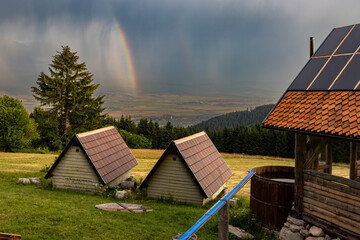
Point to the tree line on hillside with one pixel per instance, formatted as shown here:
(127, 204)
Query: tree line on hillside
(231, 120)
(20, 131)
(67, 106)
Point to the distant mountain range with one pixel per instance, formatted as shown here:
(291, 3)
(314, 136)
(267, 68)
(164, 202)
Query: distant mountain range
(232, 119)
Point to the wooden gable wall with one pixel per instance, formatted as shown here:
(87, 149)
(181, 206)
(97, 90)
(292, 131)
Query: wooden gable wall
(173, 180)
(75, 172)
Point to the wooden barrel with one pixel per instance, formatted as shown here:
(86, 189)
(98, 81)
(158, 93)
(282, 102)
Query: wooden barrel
(272, 194)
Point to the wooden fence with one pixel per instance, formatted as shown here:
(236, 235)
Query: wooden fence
(333, 203)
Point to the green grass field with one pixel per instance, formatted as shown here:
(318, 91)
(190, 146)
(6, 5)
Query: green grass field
(40, 212)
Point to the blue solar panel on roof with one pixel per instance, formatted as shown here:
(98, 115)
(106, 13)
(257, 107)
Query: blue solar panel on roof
(350, 76)
(308, 73)
(332, 41)
(351, 43)
(329, 73)
(341, 72)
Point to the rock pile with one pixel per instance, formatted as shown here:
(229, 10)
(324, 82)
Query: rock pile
(29, 180)
(297, 229)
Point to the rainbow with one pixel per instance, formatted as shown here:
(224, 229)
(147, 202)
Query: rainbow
(127, 54)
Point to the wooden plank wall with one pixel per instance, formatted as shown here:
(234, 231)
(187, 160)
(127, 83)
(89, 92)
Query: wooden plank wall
(333, 203)
(173, 180)
(74, 172)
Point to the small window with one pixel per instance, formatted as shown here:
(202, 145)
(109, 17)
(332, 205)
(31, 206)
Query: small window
(77, 150)
(174, 158)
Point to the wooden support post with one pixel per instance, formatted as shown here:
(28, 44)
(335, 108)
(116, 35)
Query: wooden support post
(353, 158)
(316, 163)
(314, 146)
(311, 46)
(300, 157)
(223, 226)
(329, 156)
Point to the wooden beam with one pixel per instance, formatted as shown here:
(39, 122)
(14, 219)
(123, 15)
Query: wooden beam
(343, 184)
(313, 155)
(329, 156)
(223, 226)
(300, 157)
(353, 158)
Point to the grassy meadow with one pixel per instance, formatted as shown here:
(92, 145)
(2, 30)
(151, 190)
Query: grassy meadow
(40, 212)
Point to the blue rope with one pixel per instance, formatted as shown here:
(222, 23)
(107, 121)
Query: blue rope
(216, 207)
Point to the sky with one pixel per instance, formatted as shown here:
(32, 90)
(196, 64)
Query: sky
(202, 47)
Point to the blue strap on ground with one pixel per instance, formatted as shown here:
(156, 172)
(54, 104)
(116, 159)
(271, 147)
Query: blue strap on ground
(216, 207)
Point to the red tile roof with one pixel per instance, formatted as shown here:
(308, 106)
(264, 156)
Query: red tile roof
(106, 151)
(324, 97)
(202, 159)
(325, 112)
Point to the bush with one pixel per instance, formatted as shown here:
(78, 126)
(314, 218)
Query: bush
(17, 130)
(135, 141)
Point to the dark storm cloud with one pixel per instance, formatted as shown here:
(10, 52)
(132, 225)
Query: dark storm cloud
(197, 47)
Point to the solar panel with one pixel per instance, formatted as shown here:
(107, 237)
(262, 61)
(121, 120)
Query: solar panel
(351, 43)
(335, 65)
(350, 76)
(332, 41)
(308, 73)
(329, 73)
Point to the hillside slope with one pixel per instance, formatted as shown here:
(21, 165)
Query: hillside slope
(237, 118)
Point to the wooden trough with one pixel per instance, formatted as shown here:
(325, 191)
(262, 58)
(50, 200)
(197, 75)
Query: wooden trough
(9, 236)
(272, 194)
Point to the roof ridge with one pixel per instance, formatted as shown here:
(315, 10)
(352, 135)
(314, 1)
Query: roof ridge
(347, 25)
(192, 146)
(84, 134)
(188, 138)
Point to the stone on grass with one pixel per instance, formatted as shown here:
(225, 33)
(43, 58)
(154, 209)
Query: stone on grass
(316, 232)
(29, 180)
(233, 201)
(327, 237)
(120, 194)
(287, 234)
(24, 180)
(35, 180)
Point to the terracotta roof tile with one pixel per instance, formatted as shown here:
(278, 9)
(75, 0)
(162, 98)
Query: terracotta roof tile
(205, 162)
(108, 152)
(328, 112)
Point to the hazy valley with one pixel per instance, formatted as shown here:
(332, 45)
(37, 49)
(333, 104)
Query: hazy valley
(179, 109)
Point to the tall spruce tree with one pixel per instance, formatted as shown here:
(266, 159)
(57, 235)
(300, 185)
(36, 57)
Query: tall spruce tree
(68, 91)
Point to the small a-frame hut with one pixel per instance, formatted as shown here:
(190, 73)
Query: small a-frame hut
(321, 104)
(190, 170)
(93, 160)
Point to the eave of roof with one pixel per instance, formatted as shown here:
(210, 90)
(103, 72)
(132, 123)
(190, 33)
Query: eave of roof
(323, 113)
(106, 152)
(204, 163)
(71, 142)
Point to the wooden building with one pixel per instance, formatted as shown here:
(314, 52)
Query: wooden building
(190, 170)
(92, 161)
(322, 104)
